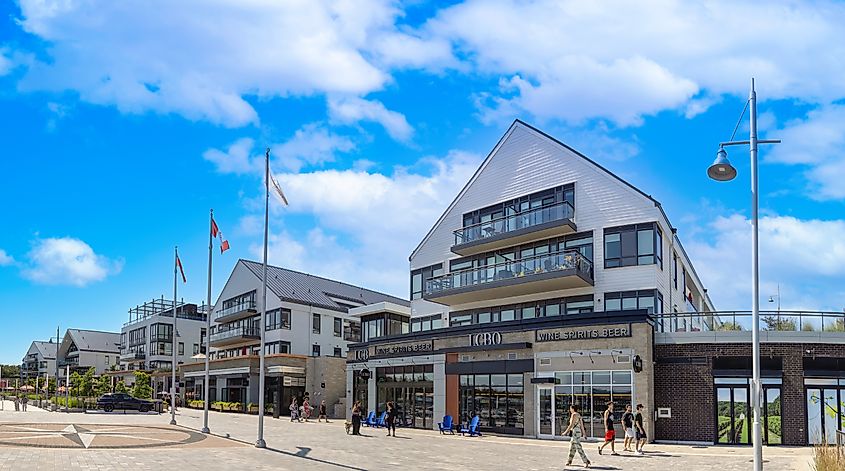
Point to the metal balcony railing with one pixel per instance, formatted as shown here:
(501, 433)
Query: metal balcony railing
(727, 321)
(513, 222)
(240, 307)
(245, 332)
(527, 267)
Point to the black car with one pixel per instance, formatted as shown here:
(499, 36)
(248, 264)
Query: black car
(110, 402)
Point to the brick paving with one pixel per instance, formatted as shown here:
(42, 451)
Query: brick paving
(319, 446)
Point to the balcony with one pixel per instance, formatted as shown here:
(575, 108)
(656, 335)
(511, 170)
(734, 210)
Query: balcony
(238, 311)
(736, 326)
(539, 274)
(526, 226)
(133, 356)
(238, 335)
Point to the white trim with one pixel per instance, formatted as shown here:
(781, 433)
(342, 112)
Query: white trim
(295, 370)
(222, 371)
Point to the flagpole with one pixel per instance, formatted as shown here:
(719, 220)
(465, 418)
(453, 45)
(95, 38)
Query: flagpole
(205, 428)
(173, 342)
(260, 442)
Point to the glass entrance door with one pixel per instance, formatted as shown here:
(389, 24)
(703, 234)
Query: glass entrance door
(825, 414)
(546, 415)
(732, 415)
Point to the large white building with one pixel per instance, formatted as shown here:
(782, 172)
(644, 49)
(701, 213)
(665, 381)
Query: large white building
(82, 349)
(547, 270)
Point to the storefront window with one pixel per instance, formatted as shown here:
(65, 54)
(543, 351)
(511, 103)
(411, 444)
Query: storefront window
(411, 388)
(590, 391)
(497, 399)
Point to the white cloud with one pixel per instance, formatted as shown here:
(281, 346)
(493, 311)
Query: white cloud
(6, 64)
(5, 259)
(367, 223)
(201, 60)
(817, 142)
(236, 159)
(67, 261)
(574, 60)
(351, 110)
(313, 144)
(806, 257)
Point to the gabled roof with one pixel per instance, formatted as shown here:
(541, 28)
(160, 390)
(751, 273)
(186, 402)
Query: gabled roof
(46, 349)
(95, 340)
(303, 288)
(519, 123)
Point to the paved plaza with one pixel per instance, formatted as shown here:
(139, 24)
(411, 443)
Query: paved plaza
(40, 440)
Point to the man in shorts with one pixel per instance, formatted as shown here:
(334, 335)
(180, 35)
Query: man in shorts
(628, 425)
(639, 431)
(609, 432)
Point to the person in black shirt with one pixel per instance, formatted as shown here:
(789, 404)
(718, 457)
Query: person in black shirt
(640, 429)
(628, 425)
(391, 418)
(609, 432)
(321, 414)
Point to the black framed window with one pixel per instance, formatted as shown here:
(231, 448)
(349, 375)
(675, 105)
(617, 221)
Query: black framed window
(626, 246)
(315, 350)
(675, 269)
(315, 323)
(272, 348)
(498, 399)
(511, 312)
(278, 319)
(338, 327)
(558, 194)
(422, 324)
(651, 300)
(338, 352)
(419, 276)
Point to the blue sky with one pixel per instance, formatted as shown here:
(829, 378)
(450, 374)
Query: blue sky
(123, 124)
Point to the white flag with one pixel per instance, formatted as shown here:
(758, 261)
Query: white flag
(278, 190)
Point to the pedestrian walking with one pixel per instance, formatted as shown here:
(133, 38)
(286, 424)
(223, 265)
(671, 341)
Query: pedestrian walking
(17, 404)
(641, 437)
(24, 400)
(628, 425)
(576, 427)
(306, 409)
(356, 418)
(294, 410)
(391, 418)
(609, 432)
(321, 413)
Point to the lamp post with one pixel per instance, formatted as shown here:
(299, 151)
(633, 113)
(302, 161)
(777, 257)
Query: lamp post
(722, 170)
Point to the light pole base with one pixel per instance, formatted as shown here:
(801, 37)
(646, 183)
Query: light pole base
(260, 443)
(172, 421)
(205, 430)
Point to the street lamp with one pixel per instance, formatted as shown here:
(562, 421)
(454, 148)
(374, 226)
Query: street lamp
(723, 171)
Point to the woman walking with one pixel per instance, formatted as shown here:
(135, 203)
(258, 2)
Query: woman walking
(356, 418)
(322, 412)
(306, 408)
(294, 410)
(576, 426)
(391, 418)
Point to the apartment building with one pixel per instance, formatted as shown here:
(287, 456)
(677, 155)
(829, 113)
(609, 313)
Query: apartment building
(308, 330)
(83, 349)
(146, 340)
(39, 361)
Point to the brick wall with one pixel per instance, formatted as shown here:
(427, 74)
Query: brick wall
(683, 380)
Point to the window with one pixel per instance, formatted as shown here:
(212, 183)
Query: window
(497, 398)
(338, 327)
(315, 323)
(338, 352)
(650, 300)
(531, 310)
(351, 331)
(278, 319)
(239, 303)
(675, 269)
(273, 348)
(181, 348)
(196, 349)
(107, 360)
(626, 246)
(161, 332)
(315, 350)
(419, 277)
(422, 324)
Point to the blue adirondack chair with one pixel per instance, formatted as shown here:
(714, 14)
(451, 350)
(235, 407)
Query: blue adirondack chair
(370, 420)
(471, 428)
(381, 420)
(446, 425)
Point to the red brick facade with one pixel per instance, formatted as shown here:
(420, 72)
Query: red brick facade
(683, 380)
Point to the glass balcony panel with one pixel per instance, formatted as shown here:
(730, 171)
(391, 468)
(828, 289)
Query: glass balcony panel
(522, 220)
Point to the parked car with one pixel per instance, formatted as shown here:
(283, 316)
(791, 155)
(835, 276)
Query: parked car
(110, 402)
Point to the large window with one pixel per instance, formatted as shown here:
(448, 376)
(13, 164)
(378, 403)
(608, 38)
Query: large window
(278, 319)
(161, 332)
(531, 310)
(411, 388)
(626, 246)
(338, 327)
(272, 348)
(419, 276)
(315, 323)
(498, 399)
(651, 300)
(240, 302)
(422, 324)
(351, 331)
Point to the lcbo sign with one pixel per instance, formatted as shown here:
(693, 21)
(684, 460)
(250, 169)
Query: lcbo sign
(485, 339)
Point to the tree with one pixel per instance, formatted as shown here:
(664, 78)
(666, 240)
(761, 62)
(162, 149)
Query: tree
(142, 388)
(730, 326)
(10, 371)
(783, 324)
(75, 383)
(103, 385)
(87, 384)
(120, 387)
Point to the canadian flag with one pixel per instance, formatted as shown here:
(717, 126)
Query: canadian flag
(224, 244)
(179, 264)
(214, 228)
(215, 232)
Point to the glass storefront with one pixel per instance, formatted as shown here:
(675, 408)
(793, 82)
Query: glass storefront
(825, 409)
(591, 391)
(498, 400)
(411, 388)
(734, 414)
